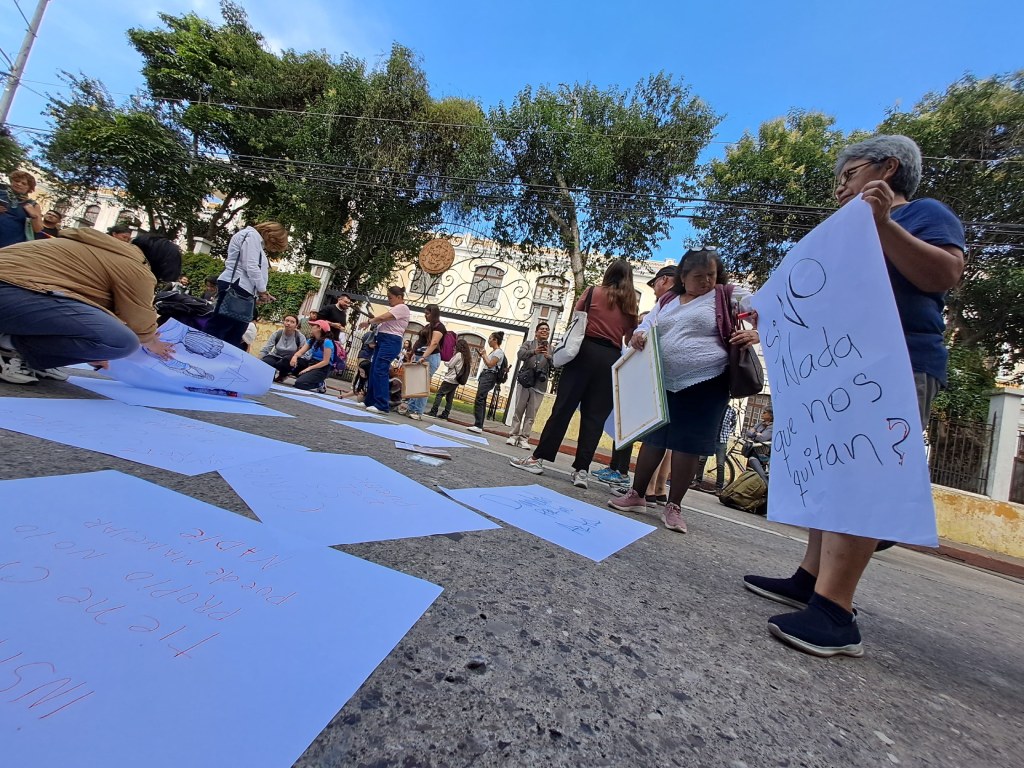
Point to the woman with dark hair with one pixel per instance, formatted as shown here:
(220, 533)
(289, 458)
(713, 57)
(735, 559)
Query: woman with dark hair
(426, 351)
(695, 362)
(95, 294)
(455, 376)
(20, 217)
(313, 370)
(390, 326)
(282, 344)
(487, 379)
(247, 268)
(586, 381)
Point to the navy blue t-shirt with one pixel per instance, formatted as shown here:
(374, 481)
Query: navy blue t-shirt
(921, 312)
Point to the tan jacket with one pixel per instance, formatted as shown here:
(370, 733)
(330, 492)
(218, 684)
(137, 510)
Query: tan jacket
(89, 266)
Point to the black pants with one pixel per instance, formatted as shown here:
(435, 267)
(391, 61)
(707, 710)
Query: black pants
(283, 365)
(488, 379)
(620, 459)
(309, 380)
(586, 383)
(226, 328)
(446, 391)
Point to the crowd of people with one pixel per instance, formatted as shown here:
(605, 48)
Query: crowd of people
(77, 295)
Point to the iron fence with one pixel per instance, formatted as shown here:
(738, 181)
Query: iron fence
(960, 453)
(1017, 480)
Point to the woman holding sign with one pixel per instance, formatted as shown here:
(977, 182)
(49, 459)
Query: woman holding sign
(923, 244)
(694, 361)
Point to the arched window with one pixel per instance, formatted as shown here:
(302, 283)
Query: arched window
(486, 288)
(424, 284)
(551, 289)
(92, 213)
(476, 348)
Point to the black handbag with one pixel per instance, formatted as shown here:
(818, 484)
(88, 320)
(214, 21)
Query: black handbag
(236, 303)
(746, 374)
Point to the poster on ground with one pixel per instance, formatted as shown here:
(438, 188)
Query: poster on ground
(847, 447)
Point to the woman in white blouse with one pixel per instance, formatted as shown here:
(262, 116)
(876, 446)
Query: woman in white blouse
(695, 362)
(248, 267)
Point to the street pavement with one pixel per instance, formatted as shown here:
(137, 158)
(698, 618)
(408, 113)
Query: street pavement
(657, 656)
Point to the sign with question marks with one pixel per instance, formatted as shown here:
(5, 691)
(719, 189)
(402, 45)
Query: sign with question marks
(847, 448)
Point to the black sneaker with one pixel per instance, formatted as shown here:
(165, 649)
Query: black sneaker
(794, 591)
(823, 628)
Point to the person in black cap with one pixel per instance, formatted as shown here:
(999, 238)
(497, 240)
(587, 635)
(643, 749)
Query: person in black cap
(121, 231)
(662, 281)
(83, 297)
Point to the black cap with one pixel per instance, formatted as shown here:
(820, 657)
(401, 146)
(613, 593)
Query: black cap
(118, 229)
(663, 272)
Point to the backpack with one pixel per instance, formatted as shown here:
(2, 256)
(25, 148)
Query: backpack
(527, 377)
(340, 357)
(463, 375)
(503, 370)
(747, 493)
(447, 346)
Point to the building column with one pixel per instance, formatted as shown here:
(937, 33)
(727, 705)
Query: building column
(1004, 411)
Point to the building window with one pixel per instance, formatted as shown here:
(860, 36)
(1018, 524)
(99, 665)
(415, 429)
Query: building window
(486, 287)
(476, 348)
(551, 289)
(424, 284)
(91, 214)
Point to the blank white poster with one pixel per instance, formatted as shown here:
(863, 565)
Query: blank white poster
(149, 437)
(332, 499)
(330, 405)
(181, 401)
(459, 435)
(575, 525)
(144, 627)
(403, 433)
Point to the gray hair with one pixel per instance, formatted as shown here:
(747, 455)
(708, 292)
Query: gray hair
(882, 147)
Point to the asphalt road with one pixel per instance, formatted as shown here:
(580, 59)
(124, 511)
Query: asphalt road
(657, 656)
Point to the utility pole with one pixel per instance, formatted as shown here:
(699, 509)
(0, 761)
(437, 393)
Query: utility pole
(14, 78)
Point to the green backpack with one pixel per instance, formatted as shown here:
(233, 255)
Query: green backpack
(747, 492)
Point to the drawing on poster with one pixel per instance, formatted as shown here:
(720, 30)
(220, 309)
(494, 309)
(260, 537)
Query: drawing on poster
(847, 449)
(458, 435)
(201, 363)
(184, 401)
(403, 433)
(138, 583)
(345, 499)
(582, 528)
(330, 404)
(142, 435)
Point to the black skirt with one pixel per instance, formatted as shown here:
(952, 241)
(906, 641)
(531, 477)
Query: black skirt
(695, 418)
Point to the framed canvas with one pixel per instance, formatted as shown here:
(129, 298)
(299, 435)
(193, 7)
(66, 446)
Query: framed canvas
(638, 392)
(415, 380)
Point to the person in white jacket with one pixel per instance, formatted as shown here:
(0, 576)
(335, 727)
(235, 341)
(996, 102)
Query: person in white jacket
(247, 268)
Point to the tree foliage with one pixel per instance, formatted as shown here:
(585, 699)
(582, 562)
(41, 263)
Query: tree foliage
(12, 154)
(591, 171)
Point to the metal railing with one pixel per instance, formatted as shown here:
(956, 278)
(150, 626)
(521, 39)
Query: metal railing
(1017, 479)
(960, 453)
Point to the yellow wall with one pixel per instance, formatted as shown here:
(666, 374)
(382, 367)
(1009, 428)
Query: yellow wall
(968, 518)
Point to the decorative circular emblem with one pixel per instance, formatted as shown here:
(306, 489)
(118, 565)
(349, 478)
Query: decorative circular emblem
(437, 256)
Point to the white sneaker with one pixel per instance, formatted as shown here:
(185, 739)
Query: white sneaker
(415, 416)
(514, 441)
(14, 371)
(530, 464)
(50, 373)
(474, 429)
(579, 478)
(373, 409)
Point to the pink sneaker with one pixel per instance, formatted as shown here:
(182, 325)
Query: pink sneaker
(629, 502)
(673, 517)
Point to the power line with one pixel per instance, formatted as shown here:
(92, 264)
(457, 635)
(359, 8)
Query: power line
(28, 24)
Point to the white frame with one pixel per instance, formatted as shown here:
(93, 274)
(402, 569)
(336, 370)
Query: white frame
(638, 392)
(416, 380)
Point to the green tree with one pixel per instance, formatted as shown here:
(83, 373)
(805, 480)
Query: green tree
(12, 154)
(591, 171)
(770, 190)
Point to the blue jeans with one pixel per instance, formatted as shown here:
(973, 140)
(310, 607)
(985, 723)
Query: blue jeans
(417, 404)
(389, 346)
(49, 331)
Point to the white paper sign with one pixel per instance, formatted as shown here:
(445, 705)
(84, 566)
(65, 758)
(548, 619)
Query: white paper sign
(201, 363)
(403, 433)
(331, 405)
(183, 401)
(153, 438)
(847, 451)
(137, 609)
(332, 499)
(457, 435)
(577, 526)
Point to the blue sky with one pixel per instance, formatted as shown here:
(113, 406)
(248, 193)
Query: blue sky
(752, 61)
